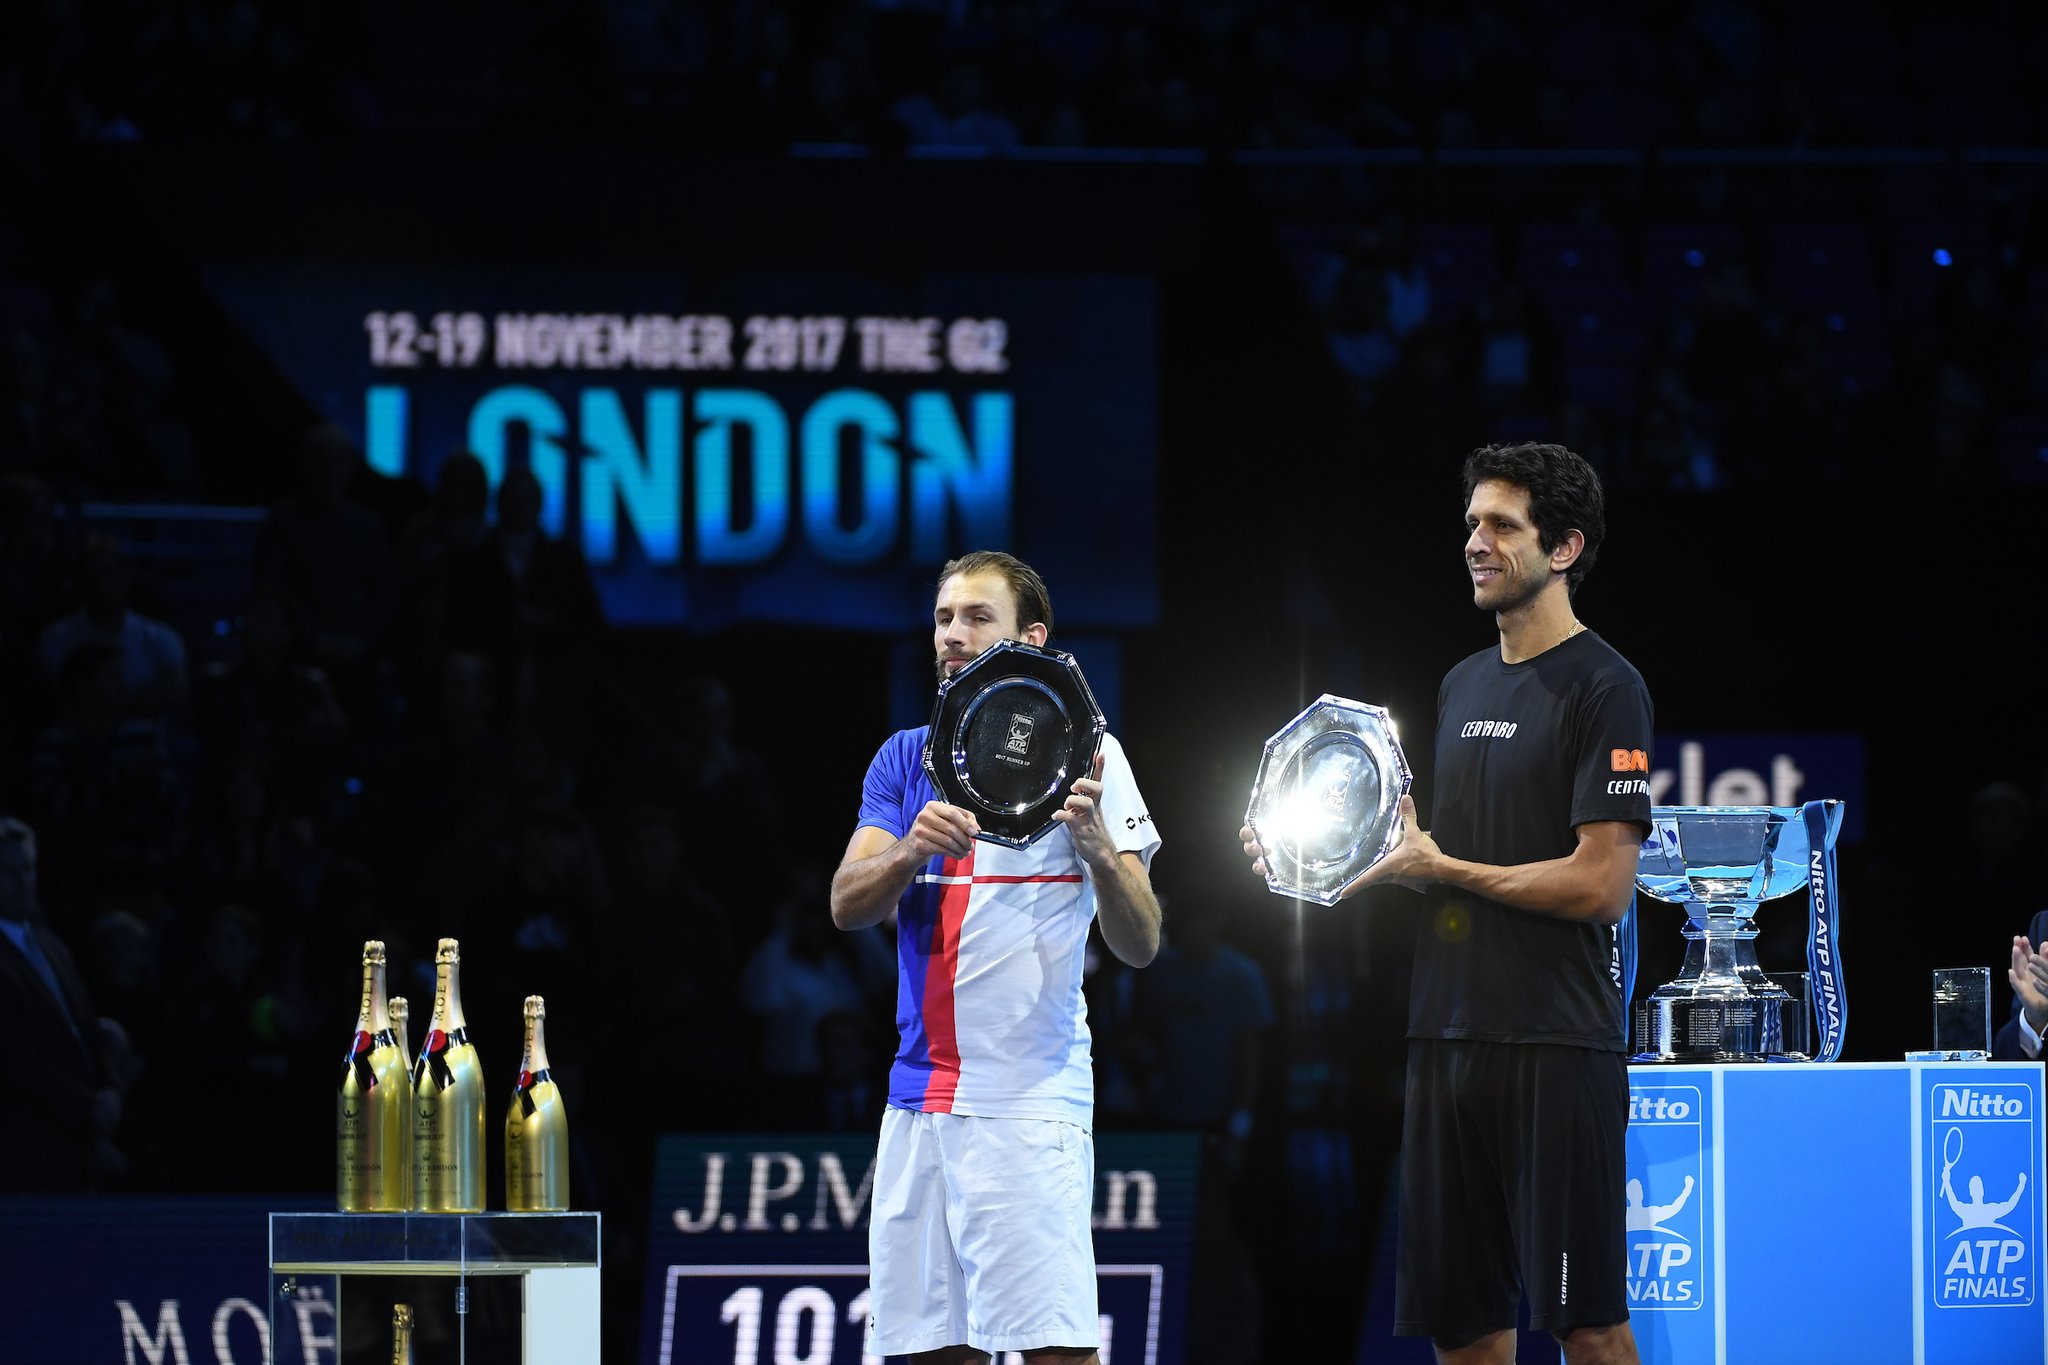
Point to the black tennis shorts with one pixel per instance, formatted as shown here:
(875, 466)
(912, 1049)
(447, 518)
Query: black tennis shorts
(1512, 1182)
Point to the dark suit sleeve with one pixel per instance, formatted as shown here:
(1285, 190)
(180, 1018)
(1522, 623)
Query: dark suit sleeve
(47, 1148)
(2006, 1046)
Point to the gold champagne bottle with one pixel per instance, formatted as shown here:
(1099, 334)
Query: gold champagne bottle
(373, 1109)
(401, 1334)
(448, 1102)
(536, 1128)
(401, 1031)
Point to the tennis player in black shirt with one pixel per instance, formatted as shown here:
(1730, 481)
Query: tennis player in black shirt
(1517, 1093)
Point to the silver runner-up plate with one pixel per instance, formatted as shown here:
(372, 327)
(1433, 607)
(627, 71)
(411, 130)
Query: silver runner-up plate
(1327, 802)
(1011, 734)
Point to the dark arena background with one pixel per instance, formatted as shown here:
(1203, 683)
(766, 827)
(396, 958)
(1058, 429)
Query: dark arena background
(761, 311)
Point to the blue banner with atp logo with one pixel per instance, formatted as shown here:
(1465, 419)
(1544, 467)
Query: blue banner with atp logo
(1868, 1212)
(1981, 1167)
(1670, 1237)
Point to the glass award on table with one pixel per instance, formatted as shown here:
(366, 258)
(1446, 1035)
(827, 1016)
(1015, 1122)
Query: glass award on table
(1011, 733)
(1720, 863)
(1327, 802)
(1962, 1016)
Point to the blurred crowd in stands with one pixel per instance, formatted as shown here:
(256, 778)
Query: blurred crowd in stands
(1000, 74)
(394, 721)
(1691, 323)
(408, 718)
(414, 722)
(417, 731)
(1700, 354)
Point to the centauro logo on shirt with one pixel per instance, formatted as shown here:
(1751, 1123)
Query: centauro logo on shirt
(1488, 729)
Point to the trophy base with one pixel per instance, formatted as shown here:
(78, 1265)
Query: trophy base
(1694, 1030)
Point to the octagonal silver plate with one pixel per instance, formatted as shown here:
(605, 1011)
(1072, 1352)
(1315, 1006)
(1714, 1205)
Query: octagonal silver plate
(1327, 802)
(1010, 733)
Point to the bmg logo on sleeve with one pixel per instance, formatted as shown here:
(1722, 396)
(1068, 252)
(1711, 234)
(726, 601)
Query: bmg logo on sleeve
(1982, 1150)
(1666, 1175)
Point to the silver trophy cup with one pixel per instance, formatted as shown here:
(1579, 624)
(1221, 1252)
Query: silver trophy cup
(1720, 863)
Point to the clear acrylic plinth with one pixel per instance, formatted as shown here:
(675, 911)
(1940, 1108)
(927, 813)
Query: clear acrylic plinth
(483, 1281)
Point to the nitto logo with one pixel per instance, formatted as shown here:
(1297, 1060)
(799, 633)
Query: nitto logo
(1656, 1109)
(1967, 1103)
(1983, 1152)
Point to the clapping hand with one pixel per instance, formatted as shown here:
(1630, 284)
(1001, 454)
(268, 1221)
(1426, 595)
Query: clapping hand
(2029, 978)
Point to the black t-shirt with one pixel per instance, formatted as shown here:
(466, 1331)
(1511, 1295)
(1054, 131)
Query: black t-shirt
(1525, 753)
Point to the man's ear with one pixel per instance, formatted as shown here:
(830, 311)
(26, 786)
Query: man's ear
(1568, 551)
(1034, 634)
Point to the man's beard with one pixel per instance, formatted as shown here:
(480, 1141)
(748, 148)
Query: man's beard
(939, 664)
(1517, 590)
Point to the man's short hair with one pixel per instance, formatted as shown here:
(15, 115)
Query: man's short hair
(1564, 495)
(1033, 602)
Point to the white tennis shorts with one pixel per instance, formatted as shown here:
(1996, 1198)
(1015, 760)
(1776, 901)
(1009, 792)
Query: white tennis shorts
(980, 1235)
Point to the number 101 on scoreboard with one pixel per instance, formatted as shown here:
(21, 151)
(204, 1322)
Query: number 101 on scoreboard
(818, 1315)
